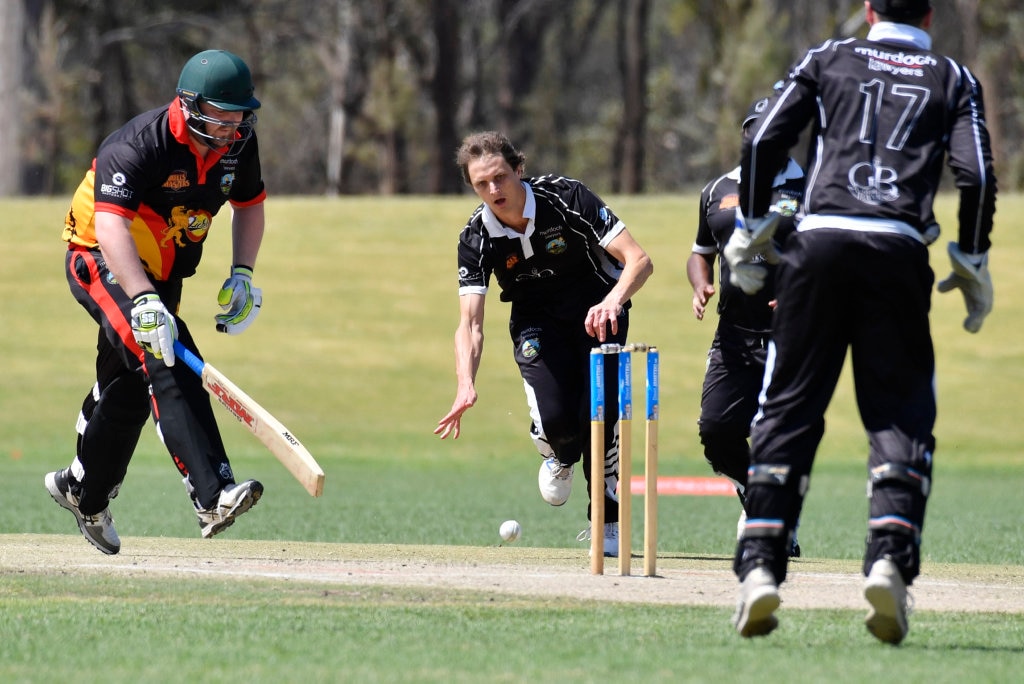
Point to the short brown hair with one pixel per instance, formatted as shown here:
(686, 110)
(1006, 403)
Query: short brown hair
(476, 145)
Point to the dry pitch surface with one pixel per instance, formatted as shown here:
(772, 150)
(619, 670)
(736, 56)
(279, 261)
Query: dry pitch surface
(511, 570)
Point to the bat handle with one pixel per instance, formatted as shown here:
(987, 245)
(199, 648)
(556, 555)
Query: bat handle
(191, 360)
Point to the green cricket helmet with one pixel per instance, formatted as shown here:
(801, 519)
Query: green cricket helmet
(222, 80)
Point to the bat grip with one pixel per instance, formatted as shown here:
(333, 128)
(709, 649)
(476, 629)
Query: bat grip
(183, 353)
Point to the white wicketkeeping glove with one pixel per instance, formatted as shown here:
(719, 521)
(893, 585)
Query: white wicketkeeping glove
(240, 300)
(154, 327)
(749, 246)
(970, 274)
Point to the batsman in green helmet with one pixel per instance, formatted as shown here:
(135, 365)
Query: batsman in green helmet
(134, 232)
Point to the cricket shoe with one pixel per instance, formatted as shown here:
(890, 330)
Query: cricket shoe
(887, 593)
(759, 599)
(234, 500)
(611, 539)
(98, 529)
(554, 481)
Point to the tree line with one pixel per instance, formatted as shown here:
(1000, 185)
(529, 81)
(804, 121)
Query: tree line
(373, 96)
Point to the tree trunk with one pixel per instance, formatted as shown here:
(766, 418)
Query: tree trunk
(632, 132)
(444, 92)
(12, 19)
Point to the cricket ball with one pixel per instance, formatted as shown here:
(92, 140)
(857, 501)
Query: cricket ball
(510, 531)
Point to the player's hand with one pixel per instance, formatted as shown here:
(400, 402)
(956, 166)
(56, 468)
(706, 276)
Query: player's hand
(452, 422)
(601, 318)
(701, 297)
(749, 247)
(240, 300)
(970, 274)
(153, 326)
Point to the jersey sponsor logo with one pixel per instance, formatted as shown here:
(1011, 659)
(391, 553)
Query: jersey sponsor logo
(898, 63)
(226, 182)
(873, 184)
(183, 224)
(553, 231)
(116, 192)
(178, 180)
(530, 348)
(729, 202)
(535, 274)
(556, 246)
(604, 214)
(116, 188)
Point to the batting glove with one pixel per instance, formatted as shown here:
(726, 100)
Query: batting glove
(970, 274)
(154, 327)
(750, 246)
(240, 300)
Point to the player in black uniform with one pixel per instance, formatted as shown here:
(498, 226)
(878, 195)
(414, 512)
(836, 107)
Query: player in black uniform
(568, 266)
(135, 230)
(886, 111)
(735, 365)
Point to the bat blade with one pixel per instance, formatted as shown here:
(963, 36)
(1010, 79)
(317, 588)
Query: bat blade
(268, 429)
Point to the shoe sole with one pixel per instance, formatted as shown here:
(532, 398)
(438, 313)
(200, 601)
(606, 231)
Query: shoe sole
(884, 619)
(55, 494)
(241, 507)
(757, 617)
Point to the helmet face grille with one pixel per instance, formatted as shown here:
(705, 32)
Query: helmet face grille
(220, 78)
(197, 121)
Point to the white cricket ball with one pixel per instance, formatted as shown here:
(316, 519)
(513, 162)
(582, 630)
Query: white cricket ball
(510, 531)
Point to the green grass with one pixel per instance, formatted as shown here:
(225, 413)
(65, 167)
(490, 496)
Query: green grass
(265, 632)
(353, 351)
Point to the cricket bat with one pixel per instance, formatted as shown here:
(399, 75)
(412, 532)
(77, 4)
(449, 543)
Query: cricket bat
(269, 430)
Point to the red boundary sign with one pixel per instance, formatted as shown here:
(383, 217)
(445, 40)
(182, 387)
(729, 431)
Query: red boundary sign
(687, 486)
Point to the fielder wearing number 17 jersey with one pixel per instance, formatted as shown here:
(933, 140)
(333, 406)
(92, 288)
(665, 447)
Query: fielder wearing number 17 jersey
(884, 112)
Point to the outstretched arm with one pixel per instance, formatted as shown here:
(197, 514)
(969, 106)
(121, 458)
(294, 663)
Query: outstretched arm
(637, 268)
(469, 346)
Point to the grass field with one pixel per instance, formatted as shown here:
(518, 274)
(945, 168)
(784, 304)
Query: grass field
(353, 352)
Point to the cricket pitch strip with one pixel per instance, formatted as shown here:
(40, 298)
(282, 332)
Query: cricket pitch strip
(541, 573)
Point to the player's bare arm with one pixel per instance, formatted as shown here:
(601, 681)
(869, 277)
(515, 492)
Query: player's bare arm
(120, 252)
(469, 347)
(637, 268)
(700, 270)
(247, 226)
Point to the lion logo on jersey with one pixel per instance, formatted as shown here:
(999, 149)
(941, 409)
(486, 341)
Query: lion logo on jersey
(185, 223)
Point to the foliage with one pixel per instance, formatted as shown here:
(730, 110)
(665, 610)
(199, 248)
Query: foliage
(547, 71)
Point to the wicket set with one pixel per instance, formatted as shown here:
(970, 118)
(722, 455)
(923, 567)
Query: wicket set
(624, 354)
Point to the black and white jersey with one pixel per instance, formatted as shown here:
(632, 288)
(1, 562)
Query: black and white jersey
(558, 266)
(717, 220)
(886, 111)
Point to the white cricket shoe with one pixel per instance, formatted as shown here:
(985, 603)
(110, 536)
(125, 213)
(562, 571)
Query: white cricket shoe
(97, 529)
(234, 500)
(554, 481)
(759, 599)
(611, 539)
(886, 591)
